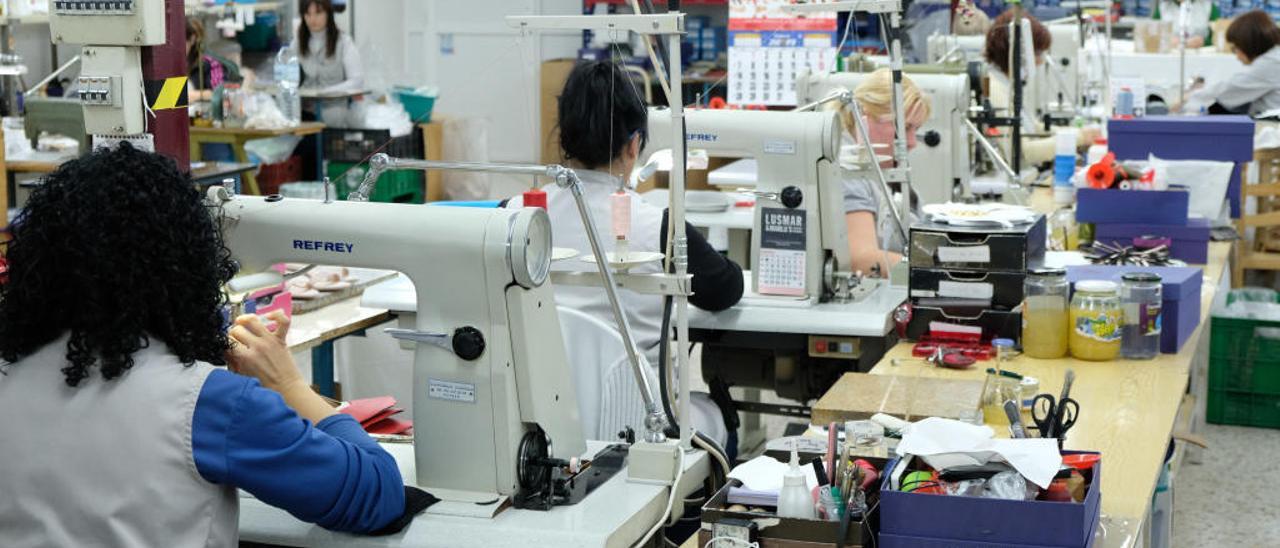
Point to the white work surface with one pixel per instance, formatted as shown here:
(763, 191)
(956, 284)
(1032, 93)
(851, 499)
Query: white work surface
(734, 218)
(869, 317)
(618, 513)
(735, 174)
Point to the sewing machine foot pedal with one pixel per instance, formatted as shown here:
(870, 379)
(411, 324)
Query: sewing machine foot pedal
(546, 482)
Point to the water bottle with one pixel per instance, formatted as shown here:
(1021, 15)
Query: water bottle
(1064, 167)
(288, 76)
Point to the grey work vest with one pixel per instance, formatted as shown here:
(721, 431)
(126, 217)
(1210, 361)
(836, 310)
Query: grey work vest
(107, 463)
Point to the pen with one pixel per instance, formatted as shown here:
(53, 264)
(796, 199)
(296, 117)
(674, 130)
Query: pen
(1003, 373)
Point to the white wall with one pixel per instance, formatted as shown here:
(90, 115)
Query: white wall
(33, 43)
(491, 73)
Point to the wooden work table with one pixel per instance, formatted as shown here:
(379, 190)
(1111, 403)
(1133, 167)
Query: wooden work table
(1128, 409)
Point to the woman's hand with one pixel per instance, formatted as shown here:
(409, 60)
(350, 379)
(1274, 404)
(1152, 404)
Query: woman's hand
(262, 354)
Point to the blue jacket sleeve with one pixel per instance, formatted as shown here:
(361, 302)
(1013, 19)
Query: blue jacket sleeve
(331, 473)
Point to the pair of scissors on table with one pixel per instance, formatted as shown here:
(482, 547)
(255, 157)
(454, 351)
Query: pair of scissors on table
(1054, 416)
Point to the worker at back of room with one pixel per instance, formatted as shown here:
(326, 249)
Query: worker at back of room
(1255, 90)
(603, 126)
(118, 428)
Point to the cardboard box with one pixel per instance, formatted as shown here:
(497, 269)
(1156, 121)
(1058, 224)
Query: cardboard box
(1151, 207)
(554, 74)
(858, 396)
(927, 520)
(1190, 241)
(775, 532)
(1180, 292)
(1016, 249)
(1219, 138)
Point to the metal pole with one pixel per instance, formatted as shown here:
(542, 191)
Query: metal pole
(899, 116)
(681, 248)
(1015, 79)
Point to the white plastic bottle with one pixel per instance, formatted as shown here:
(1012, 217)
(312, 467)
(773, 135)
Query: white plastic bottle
(288, 76)
(1096, 151)
(794, 500)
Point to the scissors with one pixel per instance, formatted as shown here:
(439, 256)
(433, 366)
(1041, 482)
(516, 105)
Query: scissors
(1053, 416)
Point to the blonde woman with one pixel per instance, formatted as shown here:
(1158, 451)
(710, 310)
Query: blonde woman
(874, 241)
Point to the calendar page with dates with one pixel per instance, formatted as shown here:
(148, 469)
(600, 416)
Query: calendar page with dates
(768, 47)
(781, 269)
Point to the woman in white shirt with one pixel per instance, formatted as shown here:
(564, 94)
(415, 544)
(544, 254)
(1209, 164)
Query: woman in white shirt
(1256, 89)
(330, 62)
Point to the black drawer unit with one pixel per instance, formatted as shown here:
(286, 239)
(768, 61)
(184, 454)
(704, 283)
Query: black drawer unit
(1015, 249)
(997, 289)
(995, 324)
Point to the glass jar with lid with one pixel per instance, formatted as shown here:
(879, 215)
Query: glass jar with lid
(1142, 297)
(1095, 320)
(1044, 314)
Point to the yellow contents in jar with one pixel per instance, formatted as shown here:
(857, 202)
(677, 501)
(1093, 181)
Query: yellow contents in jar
(1044, 327)
(1095, 334)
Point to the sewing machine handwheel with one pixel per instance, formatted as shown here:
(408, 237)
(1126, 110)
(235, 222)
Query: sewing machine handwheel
(468, 343)
(533, 448)
(792, 197)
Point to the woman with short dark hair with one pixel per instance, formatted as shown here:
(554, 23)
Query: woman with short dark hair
(603, 125)
(1256, 89)
(116, 426)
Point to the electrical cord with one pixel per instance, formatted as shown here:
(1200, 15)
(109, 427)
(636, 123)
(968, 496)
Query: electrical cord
(671, 500)
(664, 387)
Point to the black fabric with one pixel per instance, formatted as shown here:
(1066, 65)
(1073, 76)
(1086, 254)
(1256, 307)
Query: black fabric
(717, 281)
(1217, 108)
(415, 501)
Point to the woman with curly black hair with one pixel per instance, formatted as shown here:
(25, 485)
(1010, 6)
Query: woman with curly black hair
(116, 427)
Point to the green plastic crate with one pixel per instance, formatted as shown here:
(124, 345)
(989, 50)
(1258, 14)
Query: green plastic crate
(1244, 355)
(1243, 408)
(394, 186)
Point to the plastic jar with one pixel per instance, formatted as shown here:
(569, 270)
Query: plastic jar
(1044, 314)
(1095, 321)
(1142, 297)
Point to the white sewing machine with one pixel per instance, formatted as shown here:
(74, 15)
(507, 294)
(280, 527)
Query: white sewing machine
(495, 411)
(949, 48)
(798, 179)
(798, 233)
(940, 163)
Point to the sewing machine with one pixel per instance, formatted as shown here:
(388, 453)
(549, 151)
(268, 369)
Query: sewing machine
(495, 410)
(940, 163)
(832, 321)
(949, 48)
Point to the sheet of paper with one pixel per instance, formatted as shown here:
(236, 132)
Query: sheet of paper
(764, 473)
(945, 443)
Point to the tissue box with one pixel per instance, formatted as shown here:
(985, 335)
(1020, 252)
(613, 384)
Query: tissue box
(1155, 207)
(1180, 312)
(1190, 241)
(1014, 249)
(941, 521)
(1218, 138)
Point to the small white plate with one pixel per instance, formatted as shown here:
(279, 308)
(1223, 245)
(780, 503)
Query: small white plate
(632, 259)
(563, 253)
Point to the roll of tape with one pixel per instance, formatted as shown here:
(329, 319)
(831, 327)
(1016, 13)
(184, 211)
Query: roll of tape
(1126, 185)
